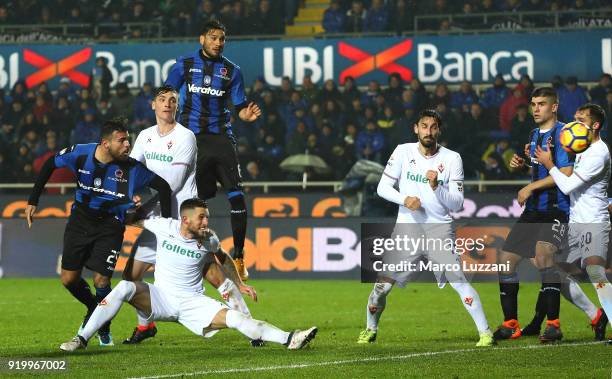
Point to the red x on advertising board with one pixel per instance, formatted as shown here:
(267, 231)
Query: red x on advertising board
(384, 61)
(65, 67)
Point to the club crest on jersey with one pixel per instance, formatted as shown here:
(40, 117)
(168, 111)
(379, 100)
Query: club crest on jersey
(97, 182)
(222, 74)
(441, 168)
(207, 80)
(169, 144)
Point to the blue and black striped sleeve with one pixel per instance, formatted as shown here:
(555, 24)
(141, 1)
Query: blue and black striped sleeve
(238, 95)
(175, 77)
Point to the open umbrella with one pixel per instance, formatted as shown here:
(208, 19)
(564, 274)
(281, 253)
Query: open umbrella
(303, 163)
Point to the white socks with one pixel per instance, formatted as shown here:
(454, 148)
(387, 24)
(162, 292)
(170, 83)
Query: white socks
(376, 304)
(597, 274)
(231, 294)
(109, 307)
(255, 329)
(471, 302)
(572, 292)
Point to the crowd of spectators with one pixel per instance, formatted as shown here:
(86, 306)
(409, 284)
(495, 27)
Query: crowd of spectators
(182, 18)
(340, 125)
(350, 16)
(179, 18)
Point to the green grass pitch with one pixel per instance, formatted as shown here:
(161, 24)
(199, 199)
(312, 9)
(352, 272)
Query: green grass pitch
(425, 332)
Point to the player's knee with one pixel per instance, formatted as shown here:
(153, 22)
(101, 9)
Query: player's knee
(101, 281)
(69, 279)
(234, 319)
(125, 290)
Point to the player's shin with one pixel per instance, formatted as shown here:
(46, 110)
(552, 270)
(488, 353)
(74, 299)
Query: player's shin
(597, 274)
(108, 307)
(231, 294)
(82, 292)
(376, 304)
(255, 329)
(238, 220)
(508, 294)
(551, 291)
(471, 302)
(572, 292)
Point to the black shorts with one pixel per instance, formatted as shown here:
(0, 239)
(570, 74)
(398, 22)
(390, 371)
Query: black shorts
(533, 227)
(217, 162)
(92, 241)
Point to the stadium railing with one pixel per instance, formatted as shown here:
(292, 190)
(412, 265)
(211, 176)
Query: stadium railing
(480, 185)
(524, 20)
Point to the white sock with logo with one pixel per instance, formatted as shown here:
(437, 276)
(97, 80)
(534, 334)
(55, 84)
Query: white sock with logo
(597, 274)
(471, 302)
(109, 307)
(255, 329)
(231, 294)
(376, 304)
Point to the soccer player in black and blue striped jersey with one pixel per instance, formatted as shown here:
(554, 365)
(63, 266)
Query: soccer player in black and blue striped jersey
(541, 229)
(107, 180)
(207, 82)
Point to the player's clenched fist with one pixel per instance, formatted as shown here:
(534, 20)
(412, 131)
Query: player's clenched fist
(432, 176)
(413, 203)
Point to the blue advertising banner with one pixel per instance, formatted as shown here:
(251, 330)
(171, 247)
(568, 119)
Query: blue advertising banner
(432, 59)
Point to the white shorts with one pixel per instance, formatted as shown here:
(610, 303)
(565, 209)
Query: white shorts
(145, 247)
(195, 312)
(430, 256)
(588, 240)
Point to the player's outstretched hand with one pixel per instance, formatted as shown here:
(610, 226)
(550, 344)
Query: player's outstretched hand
(412, 202)
(29, 213)
(517, 162)
(250, 113)
(432, 176)
(248, 290)
(526, 149)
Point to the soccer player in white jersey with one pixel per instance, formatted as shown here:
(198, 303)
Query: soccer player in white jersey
(169, 150)
(589, 219)
(430, 180)
(177, 294)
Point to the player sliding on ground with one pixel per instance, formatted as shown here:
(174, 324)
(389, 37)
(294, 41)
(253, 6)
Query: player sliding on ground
(169, 150)
(589, 220)
(177, 294)
(424, 201)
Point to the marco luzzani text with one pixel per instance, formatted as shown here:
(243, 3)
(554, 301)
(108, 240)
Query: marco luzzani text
(403, 246)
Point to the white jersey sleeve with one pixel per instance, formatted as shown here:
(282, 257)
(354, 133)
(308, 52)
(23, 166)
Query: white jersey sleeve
(138, 150)
(452, 197)
(182, 164)
(186, 152)
(392, 172)
(158, 225)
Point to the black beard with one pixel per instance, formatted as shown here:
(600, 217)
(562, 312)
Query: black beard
(430, 143)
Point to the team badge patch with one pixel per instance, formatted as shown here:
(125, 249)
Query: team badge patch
(207, 80)
(441, 168)
(97, 182)
(169, 144)
(118, 173)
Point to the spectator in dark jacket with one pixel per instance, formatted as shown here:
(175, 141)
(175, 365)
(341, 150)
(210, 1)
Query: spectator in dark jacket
(571, 96)
(495, 96)
(598, 93)
(355, 17)
(370, 143)
(334, 18)
(464, 98)
(377, 17)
